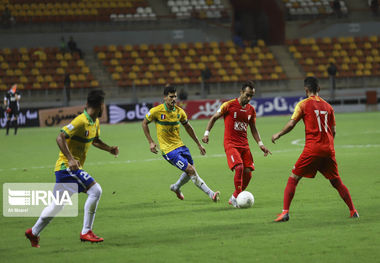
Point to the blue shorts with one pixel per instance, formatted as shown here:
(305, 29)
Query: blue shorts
(179, 157)
(80, 177)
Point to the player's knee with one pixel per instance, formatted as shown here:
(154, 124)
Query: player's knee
(95, 190)
(239, 168)
(190, 170)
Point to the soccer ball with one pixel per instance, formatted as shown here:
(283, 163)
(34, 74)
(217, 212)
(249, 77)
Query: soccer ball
(245, 200)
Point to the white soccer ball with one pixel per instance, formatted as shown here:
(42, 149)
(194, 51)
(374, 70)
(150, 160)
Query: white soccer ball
(245, 200)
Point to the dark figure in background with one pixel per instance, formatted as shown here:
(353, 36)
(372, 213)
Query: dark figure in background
(6, 18)
(12, 106)
(182, 95)
(206, 75)
(73, 47)
(337, 8)
(375, 7)
(332, 70)
(66, 87)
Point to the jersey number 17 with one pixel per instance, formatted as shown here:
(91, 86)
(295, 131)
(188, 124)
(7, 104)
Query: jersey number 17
(320, 114)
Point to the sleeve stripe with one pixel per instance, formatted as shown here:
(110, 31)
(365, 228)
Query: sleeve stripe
(66, 135)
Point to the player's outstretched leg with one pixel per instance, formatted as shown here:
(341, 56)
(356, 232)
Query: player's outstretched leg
(198, 181)
(15, 125)
(247, 175)
(33, 234)
(183, 179)
(7, 126)
(289, 192)
(345, 195)
(94, 194)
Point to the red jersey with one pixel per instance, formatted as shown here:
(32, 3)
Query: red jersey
(236, 121)
(318, 117)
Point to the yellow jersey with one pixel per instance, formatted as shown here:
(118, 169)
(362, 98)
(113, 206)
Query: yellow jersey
(167, 124)
(79, 136)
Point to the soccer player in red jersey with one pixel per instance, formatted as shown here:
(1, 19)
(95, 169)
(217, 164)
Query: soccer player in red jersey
(238, 115)
(319, 153)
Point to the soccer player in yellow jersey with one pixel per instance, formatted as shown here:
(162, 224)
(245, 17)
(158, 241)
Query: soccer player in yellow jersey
(74, 142)
(168, 118)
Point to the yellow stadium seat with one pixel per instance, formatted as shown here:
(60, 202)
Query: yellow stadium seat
(119, 69)
(257, 63)
(254, 70)
(172, 73)
(201, 66)
(238, 71)
(128, 47)
(60, 71)
(114, 62)
(101, 55)
(139, 61)
(115, 76)
(148, 75)
(36, 85)
(151, 53)
(152, 67)
(94, 83)
(222, 72)
(132, 75)
(155, 60)
(118, 55)
(135, 68)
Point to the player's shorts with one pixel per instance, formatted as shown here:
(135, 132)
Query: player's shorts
(179, 157)
(237, 156)
(12, 111)
(80, 177)
(307, 166)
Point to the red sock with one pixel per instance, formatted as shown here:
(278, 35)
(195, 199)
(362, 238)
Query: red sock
(246, 179)
(238, 179)
(343, 192)
(290, 189)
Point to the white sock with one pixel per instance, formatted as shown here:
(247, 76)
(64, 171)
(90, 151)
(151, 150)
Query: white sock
(46, 216)
(202, 185)
(183, 179)
(90, 206)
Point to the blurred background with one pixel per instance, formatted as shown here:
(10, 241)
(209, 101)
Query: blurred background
(57, 50)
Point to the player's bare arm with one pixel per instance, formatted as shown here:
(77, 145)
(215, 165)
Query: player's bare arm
(287, 128)
(256, 136)
(210, 124)
(333, 129)
(62, 144)
(189, 129)
(152, 144)
(98, 143)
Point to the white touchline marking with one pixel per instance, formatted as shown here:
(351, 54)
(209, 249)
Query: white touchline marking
(295, 142)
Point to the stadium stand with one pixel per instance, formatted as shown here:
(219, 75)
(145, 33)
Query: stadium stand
(147, 65)
(42, 68)
(203, 9)
(48, 11)
(312, 7)
(353, 56)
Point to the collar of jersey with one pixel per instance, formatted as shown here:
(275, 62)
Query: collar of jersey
(88, 117)
(166, 108)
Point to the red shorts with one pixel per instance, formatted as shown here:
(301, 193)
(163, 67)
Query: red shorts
(239, 156)
(307, 166)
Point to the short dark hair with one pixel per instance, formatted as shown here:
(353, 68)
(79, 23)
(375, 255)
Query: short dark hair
(312, 84)
(248, 83)
(95, 98)
(169, 89)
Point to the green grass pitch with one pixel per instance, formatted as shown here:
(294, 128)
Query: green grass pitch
(142, 221)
